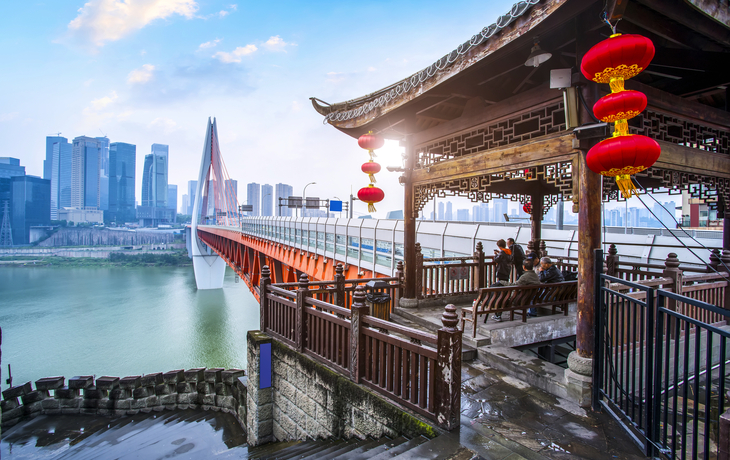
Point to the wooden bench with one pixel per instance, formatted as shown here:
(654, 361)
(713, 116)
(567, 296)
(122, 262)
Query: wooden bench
(520, 298)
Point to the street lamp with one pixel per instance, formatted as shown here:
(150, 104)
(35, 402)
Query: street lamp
(304, 196)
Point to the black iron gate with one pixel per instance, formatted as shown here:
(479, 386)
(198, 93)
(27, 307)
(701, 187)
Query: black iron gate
(662, 374)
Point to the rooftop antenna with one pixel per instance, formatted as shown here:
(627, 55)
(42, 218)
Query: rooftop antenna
(102, 132)
(57, 134)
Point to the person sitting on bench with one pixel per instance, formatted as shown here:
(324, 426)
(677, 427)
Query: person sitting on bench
(528, 277)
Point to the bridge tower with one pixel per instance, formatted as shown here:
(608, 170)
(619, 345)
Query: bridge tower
(214, 193)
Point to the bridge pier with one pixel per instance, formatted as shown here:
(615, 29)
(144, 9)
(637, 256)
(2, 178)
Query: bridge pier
(209, 271)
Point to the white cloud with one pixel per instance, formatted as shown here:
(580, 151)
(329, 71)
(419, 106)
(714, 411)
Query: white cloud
(276, 43)
(141, 75)
(143, 52)
(88, 82)
(235, 55)
(101, 21)
(8, 116)
(163, 124)
(233, 7)
(102, 102)
(223, 13)
(209, 44)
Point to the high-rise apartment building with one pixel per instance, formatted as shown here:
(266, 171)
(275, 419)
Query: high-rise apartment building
(184, 204)
(267, 200)
(253, 197)
(283, 191)
(122, 182)
(48, 162)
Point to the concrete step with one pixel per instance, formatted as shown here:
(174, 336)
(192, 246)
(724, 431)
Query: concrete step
(340, 450)
(365, 451)
(444, 446)
(314, 447)
(399, 449)
(389, 445)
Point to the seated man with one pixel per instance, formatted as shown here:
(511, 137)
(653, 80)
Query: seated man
(550, 273)
(528, 277)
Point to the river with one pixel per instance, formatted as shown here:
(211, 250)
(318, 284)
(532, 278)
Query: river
(119, 322)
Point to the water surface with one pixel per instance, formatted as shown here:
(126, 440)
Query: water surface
(119, 322)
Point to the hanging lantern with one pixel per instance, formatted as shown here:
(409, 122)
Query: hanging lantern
(618, 106)
(371, 168)
(613, 61)
(527, 207)
(370, 195)
(370, 142)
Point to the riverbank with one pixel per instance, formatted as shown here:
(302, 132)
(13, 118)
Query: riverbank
(156, 259)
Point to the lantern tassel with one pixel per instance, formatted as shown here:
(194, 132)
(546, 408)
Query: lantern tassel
(371, 207)
(372, 178)
(626, 185)
(372, 154)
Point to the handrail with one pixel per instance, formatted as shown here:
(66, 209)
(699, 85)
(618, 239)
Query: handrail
(329, 307)
(407, 331)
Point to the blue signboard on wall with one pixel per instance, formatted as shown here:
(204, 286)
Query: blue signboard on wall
(335, 206)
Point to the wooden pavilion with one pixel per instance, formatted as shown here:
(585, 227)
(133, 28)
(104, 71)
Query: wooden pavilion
(482, 124)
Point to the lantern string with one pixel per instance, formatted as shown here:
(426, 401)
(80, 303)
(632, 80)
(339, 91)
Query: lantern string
(372, 178)
(612, 26)
(671, 232)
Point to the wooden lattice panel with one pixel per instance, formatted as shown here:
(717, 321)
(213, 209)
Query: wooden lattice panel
(669, 128)
(528, 125)
(477, 187)
(714, 190)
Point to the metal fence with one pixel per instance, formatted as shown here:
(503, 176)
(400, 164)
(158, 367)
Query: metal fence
(658, 371)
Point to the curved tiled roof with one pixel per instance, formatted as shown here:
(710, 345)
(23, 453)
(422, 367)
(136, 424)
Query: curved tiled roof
(354, 108)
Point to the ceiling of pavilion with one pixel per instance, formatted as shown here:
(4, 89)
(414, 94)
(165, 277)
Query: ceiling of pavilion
(692, 51)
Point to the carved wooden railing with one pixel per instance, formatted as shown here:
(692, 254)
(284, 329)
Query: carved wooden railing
(441, 277)
(417, 370)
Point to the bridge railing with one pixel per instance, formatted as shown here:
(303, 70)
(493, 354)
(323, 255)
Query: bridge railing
(417, 370)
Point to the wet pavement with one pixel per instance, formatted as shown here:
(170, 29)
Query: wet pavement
(527, 421)
(169, 434)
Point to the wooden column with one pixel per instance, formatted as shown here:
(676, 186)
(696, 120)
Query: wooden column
(357, 337)
(409, 222)
(589, 234)
(339, 286)
(448, 371)
(536, 200)
(302, 294)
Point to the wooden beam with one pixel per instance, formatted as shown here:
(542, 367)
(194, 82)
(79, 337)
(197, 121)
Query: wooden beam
(684, 108)
(690, 18)
(680, 158)
(535, 152)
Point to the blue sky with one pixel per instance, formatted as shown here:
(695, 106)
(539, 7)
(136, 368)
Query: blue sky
(153, 71)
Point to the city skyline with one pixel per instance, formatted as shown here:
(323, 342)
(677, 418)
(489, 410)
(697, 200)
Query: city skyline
(156, 77)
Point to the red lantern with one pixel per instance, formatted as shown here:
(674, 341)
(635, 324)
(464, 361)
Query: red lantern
(620, 106)
(370, 142)
(371, 195)
(618, 57)
(622, 156)
(371, 168)
(527, 207)
(612, 61)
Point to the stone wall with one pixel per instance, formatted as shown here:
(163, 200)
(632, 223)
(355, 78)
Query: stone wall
(307, 400)
(208, 389)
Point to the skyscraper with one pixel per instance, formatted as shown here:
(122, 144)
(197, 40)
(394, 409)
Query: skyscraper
(31, 205)
(154, 209)
(267, 200)
(282, 191)
(253, 197)
(86, 174)
(61, 152)
(103, 143)
(122, 181)
(192, 190)
(450, 211)
(48, 162)
(10, 167)
(184, 205)
(172, 200)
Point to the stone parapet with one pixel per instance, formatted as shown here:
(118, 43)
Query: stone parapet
(208, 389)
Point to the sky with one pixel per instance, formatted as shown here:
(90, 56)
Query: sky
(153, 71)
